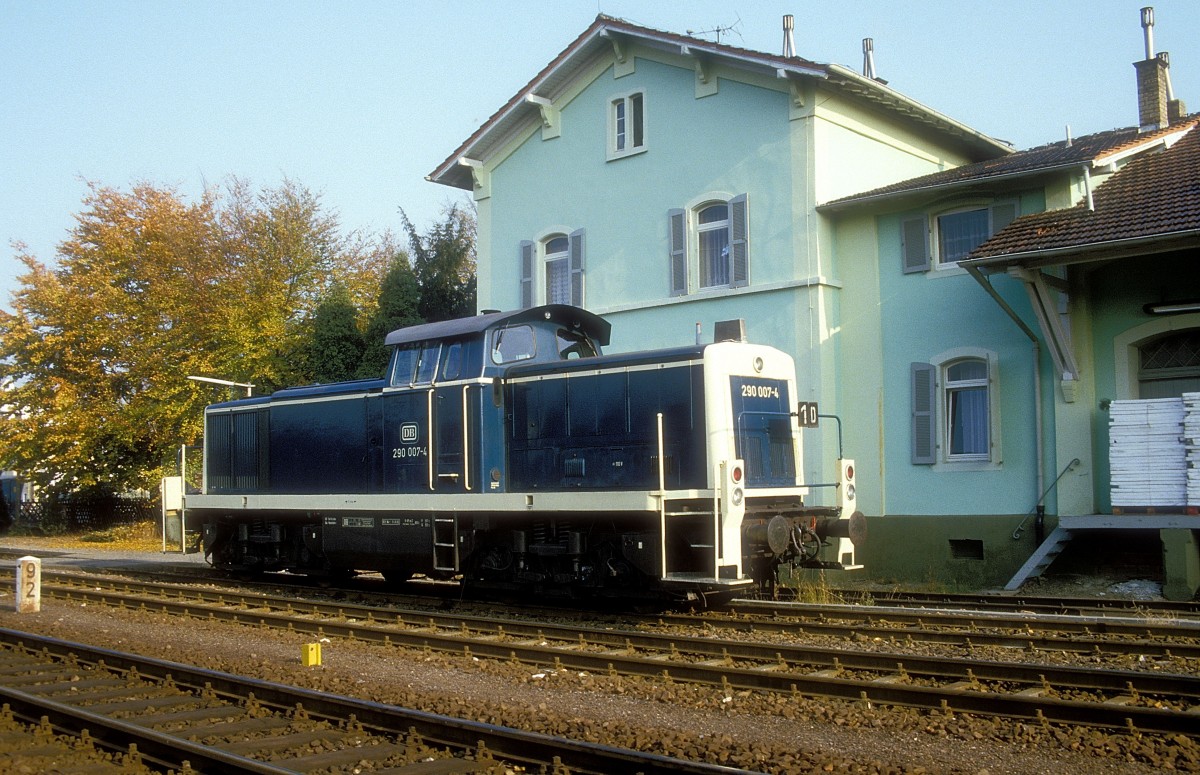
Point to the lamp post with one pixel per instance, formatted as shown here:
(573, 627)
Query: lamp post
(248, 385)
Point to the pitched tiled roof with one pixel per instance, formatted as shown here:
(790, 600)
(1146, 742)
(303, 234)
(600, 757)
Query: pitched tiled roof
(597, 40)
(1157, 195)
(1044, 158)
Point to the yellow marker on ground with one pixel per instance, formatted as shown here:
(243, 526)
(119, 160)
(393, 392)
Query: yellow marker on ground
(310, 654)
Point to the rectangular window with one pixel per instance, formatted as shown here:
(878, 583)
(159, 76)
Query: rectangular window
(627, 125)
(949, 237)
(959, 233)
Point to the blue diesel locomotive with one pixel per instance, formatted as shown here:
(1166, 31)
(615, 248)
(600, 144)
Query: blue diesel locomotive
(506, 450)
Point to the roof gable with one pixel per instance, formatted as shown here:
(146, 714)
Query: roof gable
(609, 36)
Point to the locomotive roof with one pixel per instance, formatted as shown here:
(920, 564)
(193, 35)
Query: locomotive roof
(575, 318)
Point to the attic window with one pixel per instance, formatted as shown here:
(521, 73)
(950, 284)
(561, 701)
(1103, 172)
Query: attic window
(626, 125)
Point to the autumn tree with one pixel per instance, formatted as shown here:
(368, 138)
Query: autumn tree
(279, 253)
(95, 355)
(147, 290)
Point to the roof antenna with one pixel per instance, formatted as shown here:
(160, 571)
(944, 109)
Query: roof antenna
(869, 58)
(789, 41)
(718, 31)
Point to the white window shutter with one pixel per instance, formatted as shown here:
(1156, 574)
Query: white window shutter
(924, 402)
(526, 274)
(677, 227)
(739, 241)
(915, 244)
(576, 259)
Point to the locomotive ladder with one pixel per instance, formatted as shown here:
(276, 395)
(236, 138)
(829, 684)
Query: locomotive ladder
(445, 543)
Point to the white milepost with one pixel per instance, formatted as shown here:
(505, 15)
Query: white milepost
(29, 585)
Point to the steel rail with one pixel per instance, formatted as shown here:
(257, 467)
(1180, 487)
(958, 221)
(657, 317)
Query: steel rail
(117, 735)
(471, 628)
(1070, 606)
(951, 617)
(506, 743)
(1154, 640)
(964, 695)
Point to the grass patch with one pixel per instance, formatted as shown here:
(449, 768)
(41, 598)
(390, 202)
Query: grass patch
(137, 537)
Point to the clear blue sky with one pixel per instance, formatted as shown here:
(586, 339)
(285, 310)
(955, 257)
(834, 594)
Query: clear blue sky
(360, 100)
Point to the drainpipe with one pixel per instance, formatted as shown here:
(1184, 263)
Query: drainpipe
(1037, 375)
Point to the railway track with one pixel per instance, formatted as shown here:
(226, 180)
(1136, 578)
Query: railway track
(171, 715)
(1022, 603)
(1133, 636)
(1144, 700)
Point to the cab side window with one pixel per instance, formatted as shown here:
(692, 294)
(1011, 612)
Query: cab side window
(452, 361)
(573, 345)
(427, 366)
(404, 365)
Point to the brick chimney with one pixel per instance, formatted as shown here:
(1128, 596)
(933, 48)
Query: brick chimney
(1152, 92)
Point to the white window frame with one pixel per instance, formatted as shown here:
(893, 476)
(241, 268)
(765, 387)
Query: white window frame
(951, 389)
(937, 245)
(627, 131)
(988, 208)
(701, 229)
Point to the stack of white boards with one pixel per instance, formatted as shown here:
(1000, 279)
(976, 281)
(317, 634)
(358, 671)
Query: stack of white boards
(1191, 440)
(1147, 456)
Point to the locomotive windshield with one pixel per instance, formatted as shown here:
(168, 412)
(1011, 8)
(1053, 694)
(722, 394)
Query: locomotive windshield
(512, 344)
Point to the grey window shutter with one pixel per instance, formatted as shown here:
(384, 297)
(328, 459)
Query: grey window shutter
(576, 259)
(924, 427)
(739, 241)
(1003, 214)
(526, 274)
(678, 233)
(915, 244)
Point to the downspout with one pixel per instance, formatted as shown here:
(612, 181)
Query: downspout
(1037, 377)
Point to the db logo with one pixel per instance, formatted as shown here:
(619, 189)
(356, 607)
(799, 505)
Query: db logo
(408, 433)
